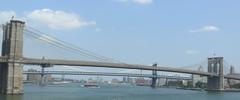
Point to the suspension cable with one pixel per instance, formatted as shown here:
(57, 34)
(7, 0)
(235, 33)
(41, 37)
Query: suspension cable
(52, 43)
(55, 41)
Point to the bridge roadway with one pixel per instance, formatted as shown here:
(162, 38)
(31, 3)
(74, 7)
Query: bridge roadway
(106, 74)
(34, 61)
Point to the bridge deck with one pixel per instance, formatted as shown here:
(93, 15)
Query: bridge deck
(33, 61)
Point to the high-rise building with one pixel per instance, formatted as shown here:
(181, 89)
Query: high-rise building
(33, 77)
(37, 77)
(142, 81)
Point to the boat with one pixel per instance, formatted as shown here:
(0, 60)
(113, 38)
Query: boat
(61, 82)
(91, 85)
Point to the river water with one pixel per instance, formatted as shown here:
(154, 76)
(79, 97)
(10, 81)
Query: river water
(76, 92)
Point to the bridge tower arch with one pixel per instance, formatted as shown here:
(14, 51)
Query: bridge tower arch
(11, 78)
(215, 66)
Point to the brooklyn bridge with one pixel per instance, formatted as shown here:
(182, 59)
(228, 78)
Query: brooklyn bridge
(12, 62)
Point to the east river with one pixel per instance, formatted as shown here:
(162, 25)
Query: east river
(76, 92)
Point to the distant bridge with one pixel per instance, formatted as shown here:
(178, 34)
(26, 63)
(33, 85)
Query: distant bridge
(104, 74)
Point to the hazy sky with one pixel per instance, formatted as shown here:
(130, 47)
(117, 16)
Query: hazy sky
(170, 32)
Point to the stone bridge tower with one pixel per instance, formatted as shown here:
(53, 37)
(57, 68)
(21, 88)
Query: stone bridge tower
(11, 78)
(215, 66)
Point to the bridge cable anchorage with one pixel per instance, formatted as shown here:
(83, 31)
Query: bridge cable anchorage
(67, 46)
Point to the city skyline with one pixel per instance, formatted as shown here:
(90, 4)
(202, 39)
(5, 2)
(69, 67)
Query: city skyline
(119, 50)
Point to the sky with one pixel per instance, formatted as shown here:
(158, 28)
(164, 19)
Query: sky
(169, 32)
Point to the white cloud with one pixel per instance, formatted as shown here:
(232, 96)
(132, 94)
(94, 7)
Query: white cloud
(57, 19)
(53, 19)
(208, 28)
(192, 52)
(141, 2)
(123, 0)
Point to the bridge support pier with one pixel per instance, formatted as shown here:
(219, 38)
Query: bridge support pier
(166, 82)
(154, 79)
(11, 78)
(154, 82)
(215, 65)
(158, 82)
(193, 82)
(43, 80)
